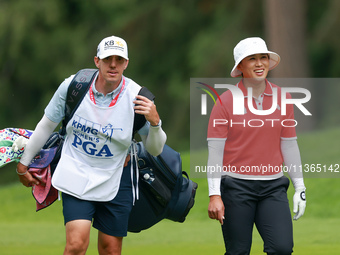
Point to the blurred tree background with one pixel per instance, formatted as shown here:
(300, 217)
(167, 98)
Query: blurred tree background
(43, 42)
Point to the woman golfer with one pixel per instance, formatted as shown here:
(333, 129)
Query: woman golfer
(254, 190)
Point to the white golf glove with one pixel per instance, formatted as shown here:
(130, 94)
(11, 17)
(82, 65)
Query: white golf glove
(19, 143)
(299, 203)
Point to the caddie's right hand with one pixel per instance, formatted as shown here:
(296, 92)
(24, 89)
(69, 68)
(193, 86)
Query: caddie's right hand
(25, 177)
(216, 208)
(146, 107)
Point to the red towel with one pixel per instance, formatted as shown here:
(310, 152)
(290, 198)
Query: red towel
(44, 193)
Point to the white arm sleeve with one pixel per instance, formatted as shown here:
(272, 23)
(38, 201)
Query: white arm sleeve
(292, 159)
(215, 161)
(40, 135)
(155, 140)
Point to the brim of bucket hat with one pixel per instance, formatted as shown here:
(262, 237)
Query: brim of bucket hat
(274, 60)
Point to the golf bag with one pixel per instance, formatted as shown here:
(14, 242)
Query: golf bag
(75, 94)
(165, 190)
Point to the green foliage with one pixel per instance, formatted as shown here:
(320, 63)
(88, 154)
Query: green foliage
(43, 42)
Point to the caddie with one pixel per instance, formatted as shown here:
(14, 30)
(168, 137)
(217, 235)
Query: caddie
(94, 173)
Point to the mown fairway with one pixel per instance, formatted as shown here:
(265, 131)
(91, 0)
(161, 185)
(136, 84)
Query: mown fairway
(23, 231)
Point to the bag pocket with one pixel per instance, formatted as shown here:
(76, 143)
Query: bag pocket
(156, 187)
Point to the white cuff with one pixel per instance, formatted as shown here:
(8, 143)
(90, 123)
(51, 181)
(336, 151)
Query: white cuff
(215, 161)
(214, 186)
(292, 159)
(155, 140)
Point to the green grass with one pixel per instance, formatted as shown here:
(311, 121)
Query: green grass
(23, 231)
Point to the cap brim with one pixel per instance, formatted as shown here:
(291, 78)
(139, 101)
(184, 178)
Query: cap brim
(113, 53)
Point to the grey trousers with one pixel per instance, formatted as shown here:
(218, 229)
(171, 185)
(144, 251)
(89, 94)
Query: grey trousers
(260, 202)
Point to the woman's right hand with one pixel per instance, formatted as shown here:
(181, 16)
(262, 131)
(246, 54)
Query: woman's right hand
(216, 208)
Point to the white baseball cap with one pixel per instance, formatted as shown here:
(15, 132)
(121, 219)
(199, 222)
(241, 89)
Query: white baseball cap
(111, 46)
(251, 46)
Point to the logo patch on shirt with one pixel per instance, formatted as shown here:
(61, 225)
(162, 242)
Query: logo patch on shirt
(108, 131)
(91, 139)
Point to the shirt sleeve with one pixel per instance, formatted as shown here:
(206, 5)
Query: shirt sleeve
(55, 110)
(40, 135)
(292, 159)
(288, 122)
(155, 140)
(215, 158)
(218, 122)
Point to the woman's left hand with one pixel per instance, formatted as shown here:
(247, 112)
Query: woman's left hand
(299, 203)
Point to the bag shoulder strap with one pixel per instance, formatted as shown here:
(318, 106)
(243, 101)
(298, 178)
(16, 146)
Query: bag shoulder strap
(78, 89)
(139, 120)
(76, 92)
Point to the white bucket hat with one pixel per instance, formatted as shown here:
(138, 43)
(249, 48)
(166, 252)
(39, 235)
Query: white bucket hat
(111, 46)
(251, 46)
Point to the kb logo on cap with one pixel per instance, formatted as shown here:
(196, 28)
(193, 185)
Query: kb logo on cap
(109, 43)
(112, 43)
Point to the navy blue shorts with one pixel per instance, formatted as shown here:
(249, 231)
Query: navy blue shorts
(110, 217)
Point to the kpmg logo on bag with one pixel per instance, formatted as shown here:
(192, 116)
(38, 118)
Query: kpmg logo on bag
(87, 137)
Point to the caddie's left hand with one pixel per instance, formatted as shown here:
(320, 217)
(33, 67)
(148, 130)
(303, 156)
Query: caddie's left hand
(299, 203)
(146, 107)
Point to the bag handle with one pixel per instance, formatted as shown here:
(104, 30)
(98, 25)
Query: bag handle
(139, 119)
